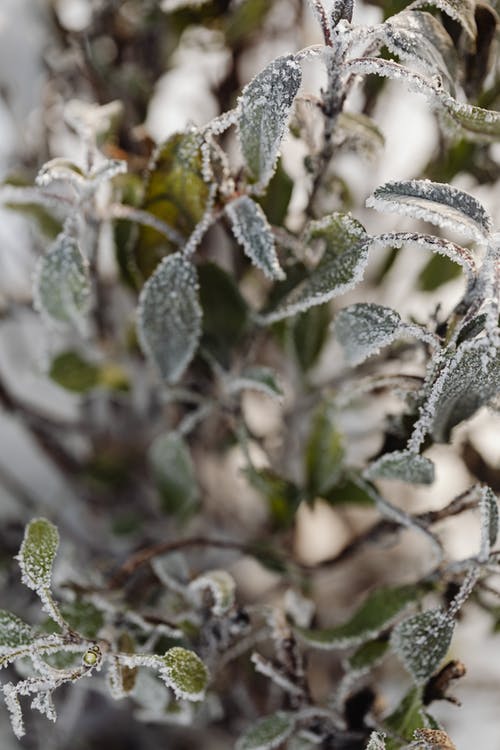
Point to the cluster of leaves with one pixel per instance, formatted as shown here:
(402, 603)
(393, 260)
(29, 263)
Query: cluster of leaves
(196, 328)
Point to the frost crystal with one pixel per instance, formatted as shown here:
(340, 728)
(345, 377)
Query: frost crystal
(221, 586)
(268, 733)
(438, 203)
(422, 641)
(341, 267)
(402, 465)
(264, 108)
(61, 287)
(376, 742)
(37, 553)
(252, 230)
(169, 316)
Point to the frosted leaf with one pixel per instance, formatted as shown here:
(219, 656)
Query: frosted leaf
(172, 570)
(460, 10)
(439, 245)
(368, 655)
(341, 267)
(13, 632)
(376, 741)
(262, 379)
(264, 108)
(422, 641)
(468, 381)
(474, 122)
(37, 554)
(174, 472)
(252, 230)
(402, 465)
(88, 119)
(359, 133)
(61, 286)
(330, 12)
(406, 717)
(376, 613)
(268, 733)
(169, 316)
(438, 203)
(185, 673)
(324, 452)
(276, 674)
(489, 522)
(363, 329)
(221, 586)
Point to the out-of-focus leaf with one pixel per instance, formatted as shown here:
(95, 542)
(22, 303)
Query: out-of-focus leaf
(262, 379)
(310, 333)
(346, 492)
(368, 655)
(174, 473)
(360, 133)
(403, 721)
(222, 587)
(324, 452)
(460, 10)
(13, 632)
(283, 496)
(268, 733)
(83, 617)
(439, 270)
(375, 614)
(264, 108)
(245, 19)
(225, 312)
(402, 465)
(169, 316)
(72, 372)
(422, 641)
(275, 200)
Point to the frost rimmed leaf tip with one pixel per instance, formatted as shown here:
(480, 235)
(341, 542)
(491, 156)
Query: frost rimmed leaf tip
(402, 465)
(264, 108)
(435, 202)
(268, 733)
(422, 641)
(169, 316)
(37, 553)
(185, 673)
(221, 586)
(252, 230)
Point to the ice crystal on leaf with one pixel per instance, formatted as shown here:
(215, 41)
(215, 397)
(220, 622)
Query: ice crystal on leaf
(363, 329)
(13, 632)
(252, 230)
(169, 316)
(438, 203)
(37, 554)
(185, 673)
(402, 465)
(264, 108)
(61, 286)
(422, 641)
(341, 266)
(268, 733)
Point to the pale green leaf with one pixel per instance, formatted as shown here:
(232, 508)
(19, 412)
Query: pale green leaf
(169, 316)
(252, 230)
(174, 473)
(264, 108)
(438, 203)
(422, 641)
(185, 673)
(61, 286)
(402, 465)
(13, 632)
(345, 253)
(37, 553)
(268, 733)
(376, 613)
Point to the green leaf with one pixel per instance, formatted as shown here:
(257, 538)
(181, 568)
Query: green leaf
(37, 553)
(185, 673)
(375, 614)
(61, 287)
(324, 453)
(276, 199)
(439, 203)
(422, 641)
(345, 254)
(169, 317)
(225, 312)
(252, 230)
(460, 10)
(176, 193)
(262, 379)
(268, 733)
(310, 333)
(439, 270)
(221, 586)
(264, 108)
(364, 329)
(83, 617)
(13, 632)
(244, 19)
(407, 717)
(174, 474)
(283, 496)
(402, 465)
(71, 371)
(368, 655)
(348, 491)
